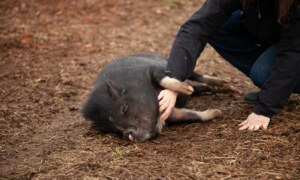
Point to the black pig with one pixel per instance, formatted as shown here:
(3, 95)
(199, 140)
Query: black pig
(124, 98)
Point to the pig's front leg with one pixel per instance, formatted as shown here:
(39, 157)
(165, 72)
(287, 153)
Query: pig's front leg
(176, 85)
(166, 82)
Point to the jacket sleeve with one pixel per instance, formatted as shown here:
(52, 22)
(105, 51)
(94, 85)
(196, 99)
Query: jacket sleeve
(195, 33)
(284, 75)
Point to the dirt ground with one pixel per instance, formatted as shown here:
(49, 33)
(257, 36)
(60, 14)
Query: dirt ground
(50, 55)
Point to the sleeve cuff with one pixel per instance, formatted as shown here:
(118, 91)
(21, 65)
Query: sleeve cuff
(173, 75)
(260, 110)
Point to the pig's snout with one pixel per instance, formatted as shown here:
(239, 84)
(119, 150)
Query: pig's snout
(136, 135)
(130, 134)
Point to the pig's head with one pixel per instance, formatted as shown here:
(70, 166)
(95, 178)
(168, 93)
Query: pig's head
(132, 112)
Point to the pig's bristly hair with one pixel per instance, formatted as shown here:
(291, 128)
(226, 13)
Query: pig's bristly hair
(91, 111)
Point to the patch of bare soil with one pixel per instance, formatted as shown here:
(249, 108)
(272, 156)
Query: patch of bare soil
(50, 55)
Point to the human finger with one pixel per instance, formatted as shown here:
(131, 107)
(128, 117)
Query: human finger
(243, 127)
(265, 125)
(251, 127)
(243, 123)
(256, 127)
(160, 96)
(163, 107)
(163, 116)
(162, 101)
(166, 113)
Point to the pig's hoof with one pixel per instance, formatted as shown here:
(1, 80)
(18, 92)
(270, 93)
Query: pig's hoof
(210, 114)
(185, 88)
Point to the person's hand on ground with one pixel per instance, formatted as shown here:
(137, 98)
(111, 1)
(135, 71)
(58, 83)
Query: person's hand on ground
(167, 100)
(255, 122)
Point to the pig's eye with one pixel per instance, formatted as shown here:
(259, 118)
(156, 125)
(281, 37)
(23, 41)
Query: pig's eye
(111, 119)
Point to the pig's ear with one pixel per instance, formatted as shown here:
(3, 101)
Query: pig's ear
(114, 89)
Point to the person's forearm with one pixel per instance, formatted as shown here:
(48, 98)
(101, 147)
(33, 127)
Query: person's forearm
(281, 81)
(194, 35)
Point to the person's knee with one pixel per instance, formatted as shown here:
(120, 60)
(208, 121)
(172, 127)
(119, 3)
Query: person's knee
(263, 65)
(258, 75)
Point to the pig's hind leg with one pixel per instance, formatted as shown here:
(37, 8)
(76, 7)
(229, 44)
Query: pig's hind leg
(215, 84)
(189, 116)
(206, 79)
(199, 87)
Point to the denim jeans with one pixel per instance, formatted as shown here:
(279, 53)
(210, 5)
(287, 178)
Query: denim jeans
(236, 46)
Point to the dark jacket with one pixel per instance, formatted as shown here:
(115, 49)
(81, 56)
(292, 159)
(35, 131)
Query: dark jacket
(205, 23)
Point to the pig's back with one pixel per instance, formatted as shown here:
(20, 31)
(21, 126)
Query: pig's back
(136, 62)
(131, 69)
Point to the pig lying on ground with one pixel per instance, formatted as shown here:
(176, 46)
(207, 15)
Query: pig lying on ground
(124, 98)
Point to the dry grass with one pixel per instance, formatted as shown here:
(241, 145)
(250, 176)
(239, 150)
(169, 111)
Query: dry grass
(50, 54)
